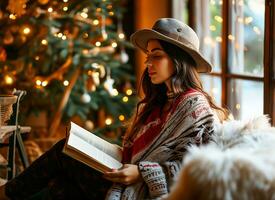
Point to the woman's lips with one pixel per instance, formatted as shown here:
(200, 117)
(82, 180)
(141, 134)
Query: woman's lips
(151, 73)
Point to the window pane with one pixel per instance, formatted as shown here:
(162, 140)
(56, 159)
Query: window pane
(208, 26)
(245, 98)
(180, 10)
(212, 85)
(246, 36)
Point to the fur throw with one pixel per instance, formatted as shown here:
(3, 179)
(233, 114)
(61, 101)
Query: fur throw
(239, 164)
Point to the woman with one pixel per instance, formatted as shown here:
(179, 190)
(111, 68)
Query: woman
(174, 113)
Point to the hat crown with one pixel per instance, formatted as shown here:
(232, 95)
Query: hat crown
(177, 30)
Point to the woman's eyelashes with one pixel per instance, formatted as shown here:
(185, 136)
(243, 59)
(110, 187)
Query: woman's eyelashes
(153, 57)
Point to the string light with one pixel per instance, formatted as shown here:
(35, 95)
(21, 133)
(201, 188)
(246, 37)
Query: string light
(38, 82)
(64, 37)
(66, 83)
(59, 35)
(12, 16)
(108, 121)
(121, 35)
(111, 13)
(110, 6)
(85, 35)
(115, 92)
(256, 30)
(114, 44)
(65, 8)
(8, 80)
(98, 10)
(85, 10)
(125, 99)
(50, 9)
(65, 1)
(121, 117)
(219, 39)
(37, 58)
(84, 15)
(44, 42)
(95, 22)
(213, 28)
(220, 2)
(238, 106)
(218, 19)
(85, 51)
(98, 44)
(231, 37)
(44, 83)
(26, 30)
(129, 92)
(248, 20)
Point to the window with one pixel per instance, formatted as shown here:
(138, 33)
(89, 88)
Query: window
(232, 37)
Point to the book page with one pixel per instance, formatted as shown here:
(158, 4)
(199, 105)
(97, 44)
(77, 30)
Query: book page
(81, 145)
(110, 149)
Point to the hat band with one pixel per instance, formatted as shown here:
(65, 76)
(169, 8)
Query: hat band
(176, 37)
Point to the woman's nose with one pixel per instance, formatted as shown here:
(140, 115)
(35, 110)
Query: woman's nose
(148, 63)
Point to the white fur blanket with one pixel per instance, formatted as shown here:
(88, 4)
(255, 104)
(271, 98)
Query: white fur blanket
(238, 165)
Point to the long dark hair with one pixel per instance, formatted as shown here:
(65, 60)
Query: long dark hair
(184, 77)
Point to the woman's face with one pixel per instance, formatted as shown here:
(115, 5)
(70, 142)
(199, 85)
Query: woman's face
(160, 66)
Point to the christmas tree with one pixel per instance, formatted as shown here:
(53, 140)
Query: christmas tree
(70, 56)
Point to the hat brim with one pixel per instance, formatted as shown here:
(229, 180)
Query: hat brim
(140, 39)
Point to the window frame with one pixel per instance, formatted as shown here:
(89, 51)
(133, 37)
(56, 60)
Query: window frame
(268, 78)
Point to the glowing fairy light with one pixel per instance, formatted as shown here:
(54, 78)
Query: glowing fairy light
(219, 39)
(44, 42)
(218, 18)
(26, 30)
(114, 44)
(121, 36)
(38, 82)
(129, 92)
(108, 121)
(213, 28)
(125, 99)
(12, 16)
(115, 92)
(95, 22)
(121, 117)
(84, 15)
(98, 44)
(66, 83)
(8, 80)
(44, 83)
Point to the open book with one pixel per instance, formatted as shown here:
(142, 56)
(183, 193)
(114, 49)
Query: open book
(91, 150)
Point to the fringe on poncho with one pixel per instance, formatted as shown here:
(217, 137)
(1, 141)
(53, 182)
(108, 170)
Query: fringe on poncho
(159, 162)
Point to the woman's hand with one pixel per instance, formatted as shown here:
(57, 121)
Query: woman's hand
(126, 175)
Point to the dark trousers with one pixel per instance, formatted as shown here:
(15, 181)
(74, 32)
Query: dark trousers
(54, 175)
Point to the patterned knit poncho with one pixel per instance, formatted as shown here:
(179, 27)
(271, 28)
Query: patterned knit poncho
(191, 122)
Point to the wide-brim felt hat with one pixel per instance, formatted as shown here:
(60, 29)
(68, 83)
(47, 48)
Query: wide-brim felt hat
(177, 33)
